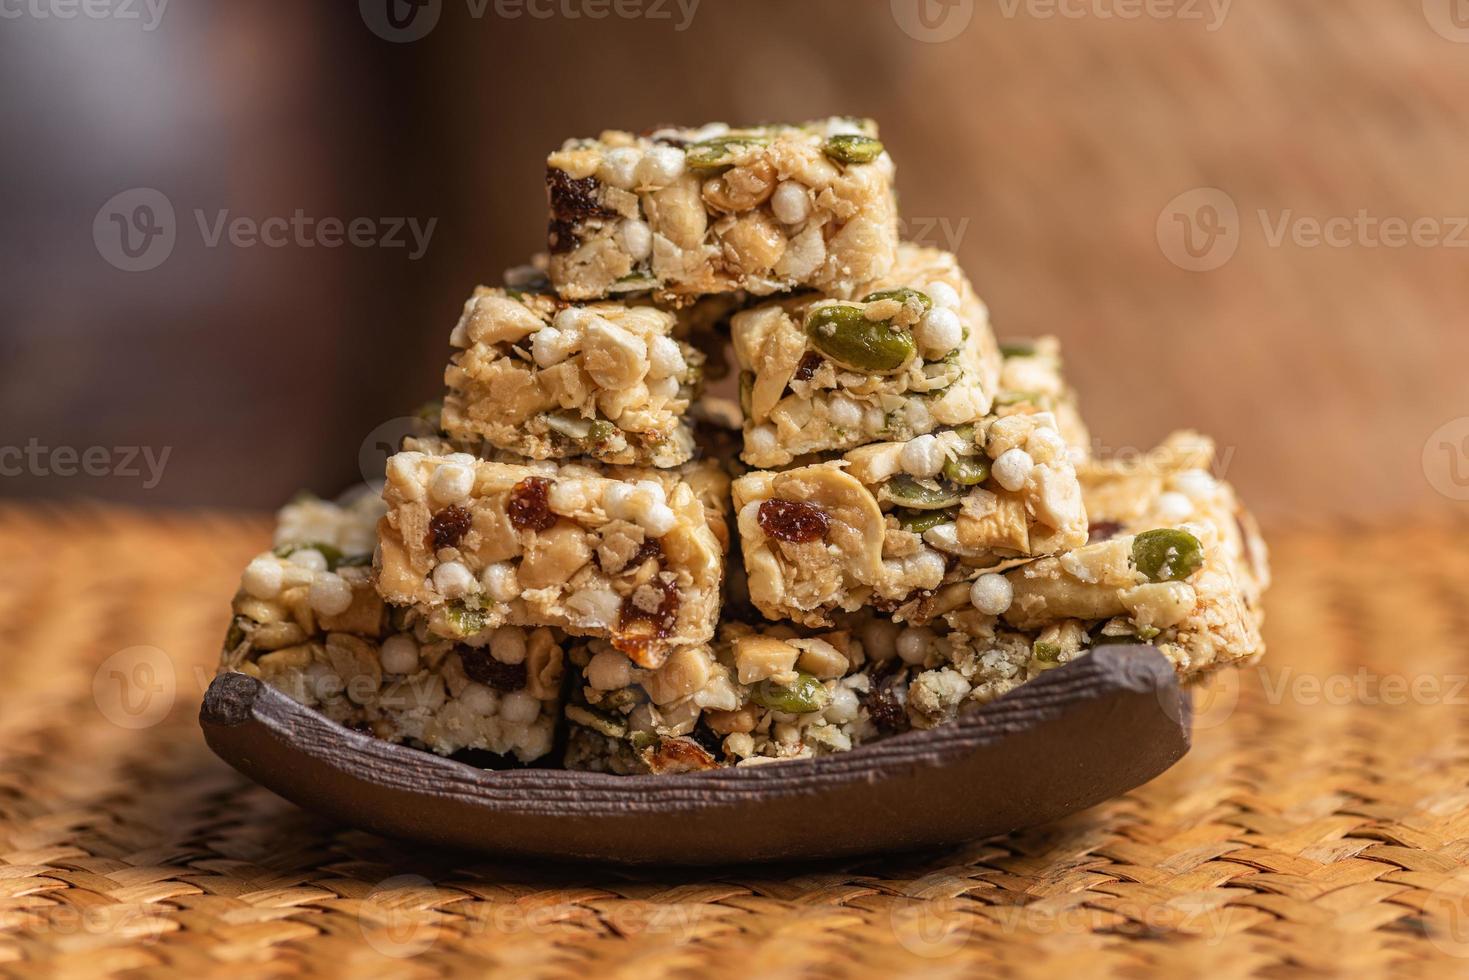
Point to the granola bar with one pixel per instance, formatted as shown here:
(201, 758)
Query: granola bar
(1175, 562)
(759, 693)
(545, 379)
(308, 622)
(821, 374)
(633, 555)
(887, 524)
(687, 212)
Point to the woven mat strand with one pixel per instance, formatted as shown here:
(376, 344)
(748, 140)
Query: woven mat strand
(1320, 825)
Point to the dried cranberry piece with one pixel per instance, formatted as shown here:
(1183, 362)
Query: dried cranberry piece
(449, 526)
(793, 520)
(809, 364)
(479, 666)
(529, 508)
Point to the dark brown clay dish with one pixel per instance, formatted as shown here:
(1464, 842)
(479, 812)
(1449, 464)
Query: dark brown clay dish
(1076, 736)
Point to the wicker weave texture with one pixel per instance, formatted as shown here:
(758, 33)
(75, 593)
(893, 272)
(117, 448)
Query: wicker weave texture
(1321, 824)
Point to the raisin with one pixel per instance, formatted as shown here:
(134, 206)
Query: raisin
(651, 548)
(449, 526)
(638, 629)
(528, 508)
(810, 363)
(572, 202)
(482, 668)
(1103, 531)
(793, 521)
(885, 711)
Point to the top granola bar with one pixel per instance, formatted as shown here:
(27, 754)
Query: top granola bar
(692, 211)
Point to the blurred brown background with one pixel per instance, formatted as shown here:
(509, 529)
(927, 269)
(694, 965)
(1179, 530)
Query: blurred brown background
(1062, 147)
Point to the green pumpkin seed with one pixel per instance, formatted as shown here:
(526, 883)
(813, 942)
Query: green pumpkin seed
(331, 553)
(919, 521)
(853, 148)
(1167, 554)
(904, 491)
(846, 336)
(720, 151)
(902, 294)
(1047, 653)
(967, 471)
(1018, 348)
(465, 620)
(804, 695)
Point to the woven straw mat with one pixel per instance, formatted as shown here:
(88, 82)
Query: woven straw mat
(1320, 825)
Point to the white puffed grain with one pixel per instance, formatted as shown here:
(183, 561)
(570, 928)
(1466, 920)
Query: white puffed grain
(1012, 469)
(453, 579)
(263, 577)
(330, 595)
(500, 581)
(399, 654)
(992, 594)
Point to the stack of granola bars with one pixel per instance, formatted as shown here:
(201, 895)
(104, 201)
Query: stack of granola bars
(902, 521)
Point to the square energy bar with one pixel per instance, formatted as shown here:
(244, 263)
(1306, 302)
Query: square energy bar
(759, 693)
(685, 212)
(1175, 562)
(887, 524)
(545, 379)
(307, 621)
(632, 555)
(819, 374)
